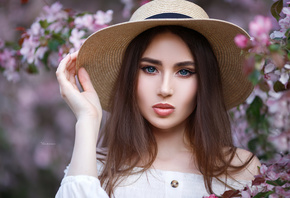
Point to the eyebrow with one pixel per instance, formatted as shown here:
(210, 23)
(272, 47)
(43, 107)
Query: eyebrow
(157, 62)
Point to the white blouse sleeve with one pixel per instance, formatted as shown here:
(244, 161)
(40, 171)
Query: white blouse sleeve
(80, 186)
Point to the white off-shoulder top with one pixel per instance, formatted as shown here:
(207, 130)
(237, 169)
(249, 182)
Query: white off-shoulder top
(150, 184)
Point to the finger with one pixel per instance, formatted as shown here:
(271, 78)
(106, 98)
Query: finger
(65, 77)
(85, 80)
(62, 65)
(74, 55)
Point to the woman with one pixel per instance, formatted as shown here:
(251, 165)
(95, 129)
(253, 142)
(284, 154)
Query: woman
(167, 77)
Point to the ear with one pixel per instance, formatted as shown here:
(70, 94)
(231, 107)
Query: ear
(85, 80)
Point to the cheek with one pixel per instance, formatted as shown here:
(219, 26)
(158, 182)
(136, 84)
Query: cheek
(189, 95)
(144, 90)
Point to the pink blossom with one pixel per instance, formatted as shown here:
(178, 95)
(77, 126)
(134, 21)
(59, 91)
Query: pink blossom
(277, 34)
(40, 52)
(86, 21)
(54, 13)
(271, 174)
(284, 175)
(28, 49)
(260, 28)
(36, 29)
(263, 169)
(286, 10)
(280, 191)
(7, 59)
(76, 38)
(54, 8)
(8, 62)
(249, 192)
(269, 68)
(94, 22)
(11, 75)
(271, 77)
(103, 18)
(129, 4)
(241, 41)
(284, 78)
(274, 195)
(285, 23)
(245, 194)
(38, 55)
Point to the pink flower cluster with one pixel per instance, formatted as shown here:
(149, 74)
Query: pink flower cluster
(8, 63)
(284, 24)
(274, 179)
(57, 32)
(88, 22)
(259, 30)
(264, 54)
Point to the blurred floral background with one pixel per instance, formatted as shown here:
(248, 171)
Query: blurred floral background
(37, 127)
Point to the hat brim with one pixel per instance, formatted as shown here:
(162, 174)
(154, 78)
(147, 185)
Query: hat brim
(102, 53)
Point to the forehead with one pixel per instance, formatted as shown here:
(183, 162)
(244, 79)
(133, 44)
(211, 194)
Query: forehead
(168, 45)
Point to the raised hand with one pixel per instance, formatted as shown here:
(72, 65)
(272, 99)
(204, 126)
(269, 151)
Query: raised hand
(84, 104)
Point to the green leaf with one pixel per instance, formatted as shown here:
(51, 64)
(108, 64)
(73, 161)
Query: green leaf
(274, 47)
(254, 77)
(253, 114)
(278, 87)
(252, 144)
(45, 60)
(53, 44)
(32, 69)
(276, 9)
(44, 24)
(277, 182)
(263, 194)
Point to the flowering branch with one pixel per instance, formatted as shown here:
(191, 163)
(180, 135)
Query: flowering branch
(54, 33)
(268, 66)
(273, 182)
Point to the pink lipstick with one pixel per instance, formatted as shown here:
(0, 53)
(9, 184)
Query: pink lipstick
(163, 109)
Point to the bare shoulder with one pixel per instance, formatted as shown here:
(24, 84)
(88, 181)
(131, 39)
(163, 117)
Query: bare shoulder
(241, 157)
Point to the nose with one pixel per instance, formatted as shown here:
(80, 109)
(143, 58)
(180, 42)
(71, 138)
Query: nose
(166, 89)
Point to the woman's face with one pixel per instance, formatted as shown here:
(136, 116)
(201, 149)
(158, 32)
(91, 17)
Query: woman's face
(167, 83)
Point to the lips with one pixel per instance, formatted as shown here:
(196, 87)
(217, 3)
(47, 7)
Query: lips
(163, 109)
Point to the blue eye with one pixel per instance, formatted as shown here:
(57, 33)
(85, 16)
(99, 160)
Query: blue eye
(185, 72)
(149, 69)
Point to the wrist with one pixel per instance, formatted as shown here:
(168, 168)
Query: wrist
(89, 119)
(88, 127)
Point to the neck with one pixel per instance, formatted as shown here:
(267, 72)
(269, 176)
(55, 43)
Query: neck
(170, 141)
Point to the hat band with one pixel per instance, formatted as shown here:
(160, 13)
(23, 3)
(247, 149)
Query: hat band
(169, 16)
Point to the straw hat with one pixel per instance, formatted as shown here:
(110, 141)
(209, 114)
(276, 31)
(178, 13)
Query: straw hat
(101, 54)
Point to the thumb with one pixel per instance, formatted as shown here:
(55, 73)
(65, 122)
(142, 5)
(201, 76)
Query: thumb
(85, 80)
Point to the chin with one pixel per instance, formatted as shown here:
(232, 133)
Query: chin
(166, 125)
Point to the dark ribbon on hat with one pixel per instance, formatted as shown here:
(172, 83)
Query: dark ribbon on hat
(168, 16)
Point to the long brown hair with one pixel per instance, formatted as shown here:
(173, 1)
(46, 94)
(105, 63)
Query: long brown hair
(127, 134)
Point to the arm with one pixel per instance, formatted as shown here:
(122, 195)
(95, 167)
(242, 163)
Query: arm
(87, 109)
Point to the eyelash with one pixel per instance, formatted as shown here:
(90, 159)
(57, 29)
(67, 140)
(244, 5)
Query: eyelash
(146, 70)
